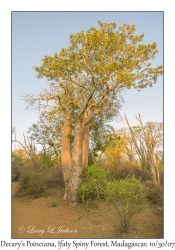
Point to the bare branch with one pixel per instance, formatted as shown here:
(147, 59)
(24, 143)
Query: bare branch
(28, 146)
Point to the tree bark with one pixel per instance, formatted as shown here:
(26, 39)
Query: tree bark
(66, 157)
(76, 169)
(154, 169)
(85, 151)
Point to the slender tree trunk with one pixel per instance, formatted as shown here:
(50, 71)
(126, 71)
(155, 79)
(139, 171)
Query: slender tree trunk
(76, 169)
(154, 169)
(146, 153)
(66, 157)
(151, 167)
(85, 151)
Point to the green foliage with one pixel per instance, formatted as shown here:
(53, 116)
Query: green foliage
(128, 198)
(110, 52)
(17, 163)
(93, 184)
(102, 135)
(47, 133)
(33, 183)
(47, 161)
(98, 64)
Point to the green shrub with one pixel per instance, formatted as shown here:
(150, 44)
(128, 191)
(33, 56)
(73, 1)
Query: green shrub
(128, 198)
(17, 164)
(93, 184)
(33, 182)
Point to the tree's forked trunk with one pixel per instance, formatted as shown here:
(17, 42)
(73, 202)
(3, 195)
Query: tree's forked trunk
(76, 169)
(66, 157)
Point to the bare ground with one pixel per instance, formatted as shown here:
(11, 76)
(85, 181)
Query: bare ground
(52, 217)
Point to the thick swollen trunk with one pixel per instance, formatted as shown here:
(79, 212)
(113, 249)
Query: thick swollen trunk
(66, 157)
(85, 151)
(76, 169)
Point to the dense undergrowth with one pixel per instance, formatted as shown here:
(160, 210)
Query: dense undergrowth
(128, 190)
(128, 193)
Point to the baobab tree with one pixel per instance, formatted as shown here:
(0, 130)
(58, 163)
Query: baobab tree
(87, 78)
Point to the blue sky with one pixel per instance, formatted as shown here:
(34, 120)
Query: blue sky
(35, 34)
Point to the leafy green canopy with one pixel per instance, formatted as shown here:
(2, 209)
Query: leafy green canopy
(89, 75)
(104, 59)
(47, 133)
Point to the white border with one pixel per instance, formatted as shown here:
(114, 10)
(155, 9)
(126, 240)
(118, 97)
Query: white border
(5, 93)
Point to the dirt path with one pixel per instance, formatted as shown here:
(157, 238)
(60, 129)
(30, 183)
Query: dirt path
(52, 217)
